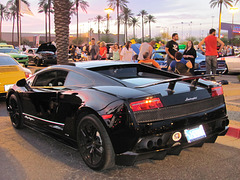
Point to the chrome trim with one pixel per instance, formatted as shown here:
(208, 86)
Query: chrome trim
(52, 122)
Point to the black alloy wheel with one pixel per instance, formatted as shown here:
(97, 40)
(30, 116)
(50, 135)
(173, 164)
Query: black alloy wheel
(94, 144)
(15, 112)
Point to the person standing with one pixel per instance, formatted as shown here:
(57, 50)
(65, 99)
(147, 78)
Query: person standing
(93, 50)
(116, 52)
(146, 47)
(72, 51)
(190, 54)
(211, 51)
(171, 48)
(103, 51)
(127, 52)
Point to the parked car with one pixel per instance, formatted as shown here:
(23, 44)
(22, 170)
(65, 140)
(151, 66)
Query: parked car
(31, 53)
(21, 58)
(10, 72)
(45, 54)
(200, 67)
(119, 112)
(5, 45)
(233, 63)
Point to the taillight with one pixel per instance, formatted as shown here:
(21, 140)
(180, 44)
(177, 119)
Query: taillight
(107, 116)
(217, 91)
(146, 104)
(27, 75)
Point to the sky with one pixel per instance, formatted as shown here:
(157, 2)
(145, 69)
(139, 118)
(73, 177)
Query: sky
(187, 17)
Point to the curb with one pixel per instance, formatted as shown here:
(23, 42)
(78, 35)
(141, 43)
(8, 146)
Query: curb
(233, 132)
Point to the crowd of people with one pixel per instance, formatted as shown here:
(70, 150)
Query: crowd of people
(177, 62)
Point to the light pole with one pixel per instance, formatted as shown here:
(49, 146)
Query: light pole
(233, 10)
(108, 11)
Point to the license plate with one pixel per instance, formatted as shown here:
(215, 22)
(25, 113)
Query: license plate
(194, 134)
(7, 87)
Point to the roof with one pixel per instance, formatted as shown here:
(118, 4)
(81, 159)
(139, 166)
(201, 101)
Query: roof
(93, 64)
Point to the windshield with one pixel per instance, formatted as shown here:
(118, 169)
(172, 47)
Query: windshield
(5, 60)
(8, 51)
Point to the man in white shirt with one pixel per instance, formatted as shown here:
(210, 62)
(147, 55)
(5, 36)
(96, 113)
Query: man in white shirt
(146, 47)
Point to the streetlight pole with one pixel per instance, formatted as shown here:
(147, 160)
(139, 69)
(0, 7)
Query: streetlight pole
(233, 10)
(108, 11)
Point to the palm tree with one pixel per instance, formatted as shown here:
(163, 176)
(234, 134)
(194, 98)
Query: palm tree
(83, 4)
(3, 15)
(142, 13)
(49, 11)
(13, 14)
(125, 16)
(150, 19)
(119, 4)
(44, 9)
(62, 21)
(11, 3)
(98, 18)
(133, 22)
(219, 3)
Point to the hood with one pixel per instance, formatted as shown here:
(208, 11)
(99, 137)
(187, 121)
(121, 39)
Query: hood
(16, 55)
(47, 47)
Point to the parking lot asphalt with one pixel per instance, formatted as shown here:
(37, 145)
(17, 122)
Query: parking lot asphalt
(232, 98)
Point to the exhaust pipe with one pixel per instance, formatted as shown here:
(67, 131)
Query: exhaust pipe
(146, 144)
(157, 141)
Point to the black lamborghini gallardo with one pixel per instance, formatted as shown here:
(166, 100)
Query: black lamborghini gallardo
(120, 112)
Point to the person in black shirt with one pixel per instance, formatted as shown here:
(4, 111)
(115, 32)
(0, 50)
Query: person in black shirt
(171, 48)
(190, 54)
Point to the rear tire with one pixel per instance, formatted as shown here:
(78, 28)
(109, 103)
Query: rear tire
(15, 112)
(94, 143)
(37, 61)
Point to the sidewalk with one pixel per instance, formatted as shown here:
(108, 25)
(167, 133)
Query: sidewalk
(232, 99)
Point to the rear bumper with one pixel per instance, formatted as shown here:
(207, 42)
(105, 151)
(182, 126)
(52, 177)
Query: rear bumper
(201, 71)
(130, 157)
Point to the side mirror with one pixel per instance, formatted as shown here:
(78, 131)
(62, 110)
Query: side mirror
(21, 83)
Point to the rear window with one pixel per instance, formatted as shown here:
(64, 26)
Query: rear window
(8, 50)
(5, 60)
(119, 71)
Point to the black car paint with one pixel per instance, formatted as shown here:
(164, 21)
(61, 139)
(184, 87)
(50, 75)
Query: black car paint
(45, 54)
(59, 110)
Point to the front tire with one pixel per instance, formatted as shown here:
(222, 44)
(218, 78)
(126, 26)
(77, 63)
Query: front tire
(15, 112)
(94, 144)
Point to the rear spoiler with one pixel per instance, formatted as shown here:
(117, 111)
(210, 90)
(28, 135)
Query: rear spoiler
(172, 82)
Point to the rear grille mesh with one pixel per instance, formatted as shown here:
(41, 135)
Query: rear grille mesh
(178, 110)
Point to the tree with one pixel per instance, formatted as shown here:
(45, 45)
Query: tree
(44, 9)
(12, 15)
(134, 22)
(15, 3)
(62, 21)
(83, 5)
(3, 15)
(125, 16)
(119, 5)
(142, 13)
(98, 18)
(49, 11)
(219, 3)
(150, 19)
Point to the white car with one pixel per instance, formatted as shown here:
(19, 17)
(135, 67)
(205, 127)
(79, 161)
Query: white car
(233, 63)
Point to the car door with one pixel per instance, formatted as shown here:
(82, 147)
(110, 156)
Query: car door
(41, 104)
(233, 63)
